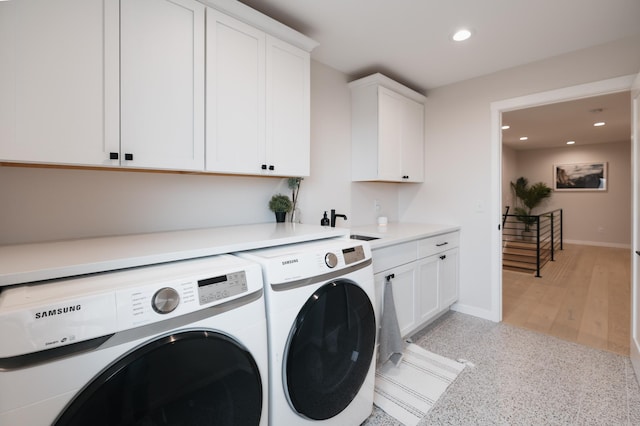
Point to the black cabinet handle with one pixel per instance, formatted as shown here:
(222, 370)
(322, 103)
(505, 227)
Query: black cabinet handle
(405, 177)
(443, 257)
(263, 167)
(113, 156)
(271, 167)
(128, 157)
(442, 244)
(390, 277)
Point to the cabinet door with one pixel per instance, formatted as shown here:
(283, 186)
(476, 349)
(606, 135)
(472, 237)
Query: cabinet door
(448, 278)
(390, 123)
(428, 296)
(235, 96)
(404, 295)
(287, 109)
(162, 84)
(413, 141)
(58, 81)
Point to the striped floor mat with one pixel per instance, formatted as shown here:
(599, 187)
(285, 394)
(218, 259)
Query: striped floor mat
(408, 392)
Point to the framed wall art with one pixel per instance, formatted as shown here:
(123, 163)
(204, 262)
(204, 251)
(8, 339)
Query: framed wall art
(580, 177)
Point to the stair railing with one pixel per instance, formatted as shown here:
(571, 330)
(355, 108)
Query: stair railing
(529, 242)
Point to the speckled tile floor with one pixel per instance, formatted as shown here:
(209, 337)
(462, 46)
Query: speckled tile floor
(521, 377)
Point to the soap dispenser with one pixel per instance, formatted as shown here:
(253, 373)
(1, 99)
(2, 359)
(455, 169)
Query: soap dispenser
(325, 220)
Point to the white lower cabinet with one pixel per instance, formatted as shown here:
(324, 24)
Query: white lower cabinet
(423, 287)
(428, 294)
(405, 281)
(448, 266)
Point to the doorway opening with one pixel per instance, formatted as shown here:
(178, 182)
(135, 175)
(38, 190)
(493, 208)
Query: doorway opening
(542, 315)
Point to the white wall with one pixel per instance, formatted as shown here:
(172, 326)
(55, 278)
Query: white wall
(49, 204)
(509, 174)
(43, 204)
(458, 153)
(601, 218)
(329, 186)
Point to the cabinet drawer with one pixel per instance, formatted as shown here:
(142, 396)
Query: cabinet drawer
(392, 256)
(439, 243)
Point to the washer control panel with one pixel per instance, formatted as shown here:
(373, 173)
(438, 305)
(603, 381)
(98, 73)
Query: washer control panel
(221, 287)
(82, 308)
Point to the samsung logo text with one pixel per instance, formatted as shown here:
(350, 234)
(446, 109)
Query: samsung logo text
(58, 311)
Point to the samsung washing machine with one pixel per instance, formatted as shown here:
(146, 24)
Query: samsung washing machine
(182, 343)
(322, 329)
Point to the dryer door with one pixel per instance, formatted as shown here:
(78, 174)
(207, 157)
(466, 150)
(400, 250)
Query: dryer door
(330, 349)
(192, 377)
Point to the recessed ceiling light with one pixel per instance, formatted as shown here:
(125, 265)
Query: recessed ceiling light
(461, 35)
(524, 138)
(505, 127)
(570, 142)
(599, 124)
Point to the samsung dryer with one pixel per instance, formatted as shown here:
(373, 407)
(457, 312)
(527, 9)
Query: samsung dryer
(177, 343)
(322, 330)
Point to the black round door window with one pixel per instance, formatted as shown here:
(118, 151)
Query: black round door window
(188, 378)
(330, 350)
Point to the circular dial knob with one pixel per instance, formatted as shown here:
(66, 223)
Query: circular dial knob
(165, 300)
(331, 260)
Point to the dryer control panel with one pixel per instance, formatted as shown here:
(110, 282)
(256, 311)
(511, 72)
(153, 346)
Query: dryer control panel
(353, 254)
(221, 287)
(294, 262)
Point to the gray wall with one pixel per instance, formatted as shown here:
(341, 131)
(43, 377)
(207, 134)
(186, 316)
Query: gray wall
(600, 218)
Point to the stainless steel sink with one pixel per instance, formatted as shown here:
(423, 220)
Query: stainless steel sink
(362, 237)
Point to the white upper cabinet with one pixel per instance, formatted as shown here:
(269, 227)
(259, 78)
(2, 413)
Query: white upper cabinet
(387, 138)
(257, 101)
(288, 109)
(121, 83)
(58, 81)
(235, 95)
(162, 84)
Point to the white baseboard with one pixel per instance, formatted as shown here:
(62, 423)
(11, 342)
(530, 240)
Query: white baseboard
(476, 312)
(634, 355)
(598, 243)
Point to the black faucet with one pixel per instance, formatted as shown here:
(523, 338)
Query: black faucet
(334, 215)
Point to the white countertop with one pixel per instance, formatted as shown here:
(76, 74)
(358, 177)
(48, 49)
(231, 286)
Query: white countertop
(396, 233)
(24, 263)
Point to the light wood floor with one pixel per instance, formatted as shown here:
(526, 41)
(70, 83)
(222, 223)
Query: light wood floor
(583, 297)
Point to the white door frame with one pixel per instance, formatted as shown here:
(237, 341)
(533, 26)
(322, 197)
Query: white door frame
(603, 87)
(634, 344)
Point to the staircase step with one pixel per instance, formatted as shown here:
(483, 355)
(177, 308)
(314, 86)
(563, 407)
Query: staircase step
(531, 245)
(519, 252)
(519, 263)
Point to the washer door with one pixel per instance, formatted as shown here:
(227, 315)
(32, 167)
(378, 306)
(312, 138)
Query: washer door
(187, 378)
(329, 351)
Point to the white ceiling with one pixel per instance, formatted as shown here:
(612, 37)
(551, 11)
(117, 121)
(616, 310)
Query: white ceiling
(551, 126)
(409, 41)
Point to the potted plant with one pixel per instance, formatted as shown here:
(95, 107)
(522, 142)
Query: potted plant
(294, 186)
(280, 204)
(529, 197)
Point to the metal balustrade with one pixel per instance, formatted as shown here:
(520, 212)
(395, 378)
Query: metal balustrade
(529, 242)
